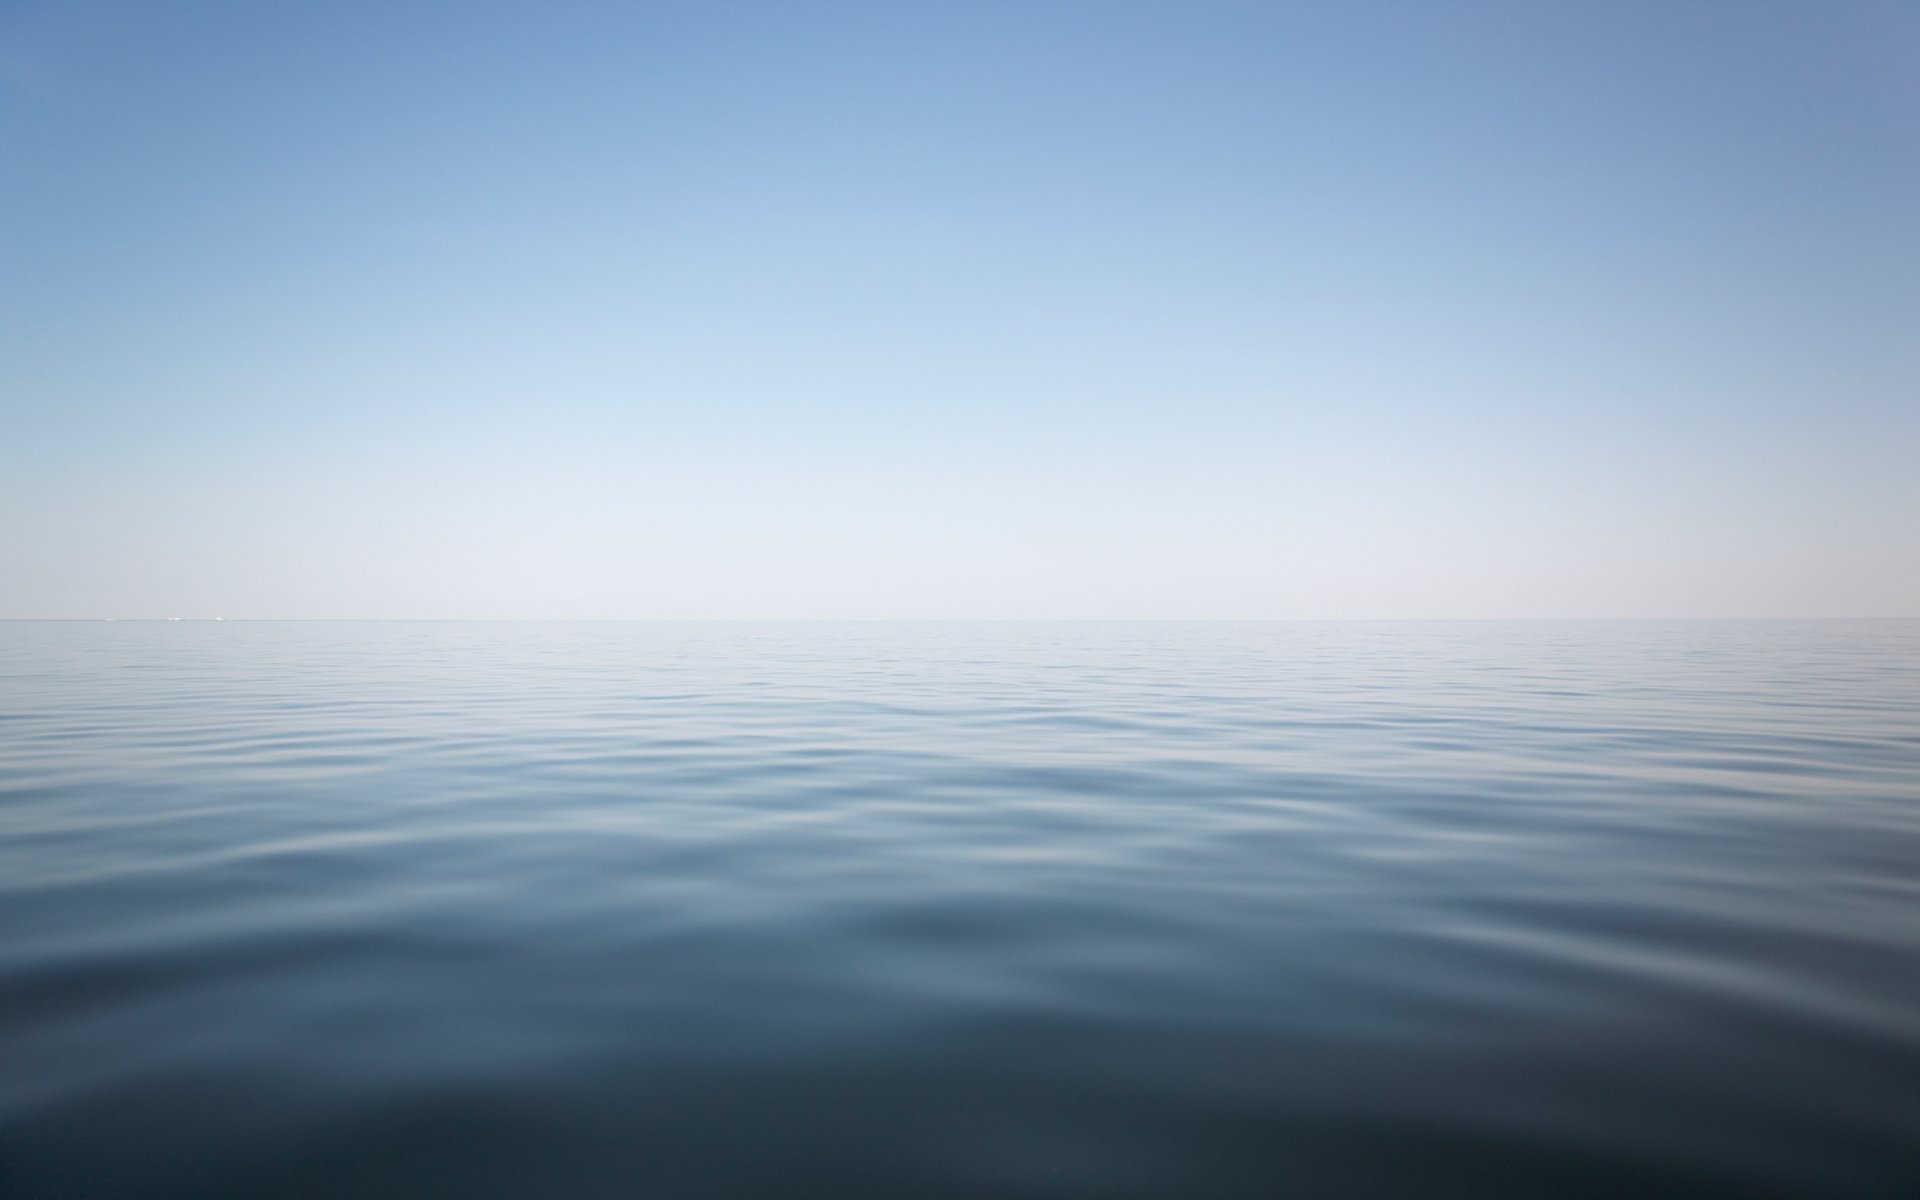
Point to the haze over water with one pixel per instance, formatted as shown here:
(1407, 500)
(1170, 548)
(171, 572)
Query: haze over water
(979, 309)
(959, 910)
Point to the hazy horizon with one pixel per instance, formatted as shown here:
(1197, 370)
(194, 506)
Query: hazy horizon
(962, 621)
(978, 311)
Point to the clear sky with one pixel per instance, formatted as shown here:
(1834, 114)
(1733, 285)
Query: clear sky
(922, 309)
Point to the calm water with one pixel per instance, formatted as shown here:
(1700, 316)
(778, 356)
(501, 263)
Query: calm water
(1185, 911)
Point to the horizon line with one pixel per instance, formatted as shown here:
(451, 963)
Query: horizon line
(957, 620)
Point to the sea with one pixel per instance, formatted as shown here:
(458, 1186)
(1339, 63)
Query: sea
(998, 910)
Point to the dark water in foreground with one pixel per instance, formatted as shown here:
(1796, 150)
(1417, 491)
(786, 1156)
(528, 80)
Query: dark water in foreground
(1186, 911)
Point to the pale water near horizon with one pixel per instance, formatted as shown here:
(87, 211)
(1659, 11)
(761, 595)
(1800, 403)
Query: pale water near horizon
(1000, 910)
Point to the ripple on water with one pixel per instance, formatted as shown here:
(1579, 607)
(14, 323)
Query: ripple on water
(1001, 910)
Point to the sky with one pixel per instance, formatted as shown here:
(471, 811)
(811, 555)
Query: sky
(478, 309)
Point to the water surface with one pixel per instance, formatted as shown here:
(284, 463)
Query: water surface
(1214, 910)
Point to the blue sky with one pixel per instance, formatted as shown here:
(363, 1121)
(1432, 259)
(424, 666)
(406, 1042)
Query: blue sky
(1037, 309)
